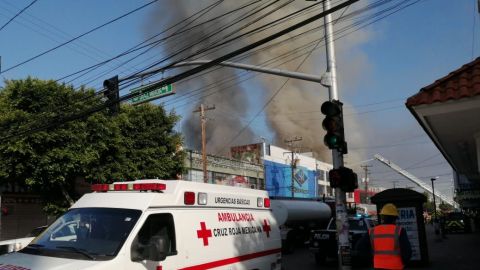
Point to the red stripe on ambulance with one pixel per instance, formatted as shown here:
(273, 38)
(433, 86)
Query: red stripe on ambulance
(232, 260)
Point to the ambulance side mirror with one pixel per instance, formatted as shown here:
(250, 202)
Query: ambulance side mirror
(158, 248)
(155, 250)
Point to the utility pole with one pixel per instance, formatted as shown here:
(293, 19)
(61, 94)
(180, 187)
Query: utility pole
(365, 168)
(292, 162)
(434, 203)
(203, 121)
(330, 81)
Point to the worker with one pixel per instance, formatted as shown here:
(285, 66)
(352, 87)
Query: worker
(387, 241)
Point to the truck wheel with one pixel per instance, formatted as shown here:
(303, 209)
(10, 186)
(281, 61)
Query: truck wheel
(320, 258)
(289, 244)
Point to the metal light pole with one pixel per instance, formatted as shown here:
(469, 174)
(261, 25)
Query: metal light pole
(434, 203)
(344, 255)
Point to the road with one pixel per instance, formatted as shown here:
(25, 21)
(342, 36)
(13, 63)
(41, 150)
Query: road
(458, 251)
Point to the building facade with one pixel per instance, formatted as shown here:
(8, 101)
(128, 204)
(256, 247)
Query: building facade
(295, 175)
(224, 171)
(448, 110)
(266, 167)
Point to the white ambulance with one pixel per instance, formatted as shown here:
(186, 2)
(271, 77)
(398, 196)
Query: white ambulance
(158, 225)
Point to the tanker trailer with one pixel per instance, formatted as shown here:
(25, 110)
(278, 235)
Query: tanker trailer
(297, 218)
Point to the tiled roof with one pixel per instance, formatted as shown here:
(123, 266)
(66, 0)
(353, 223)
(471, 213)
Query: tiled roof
(461, 83)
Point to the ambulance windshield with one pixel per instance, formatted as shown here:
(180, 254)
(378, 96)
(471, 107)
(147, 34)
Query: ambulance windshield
(86, 233)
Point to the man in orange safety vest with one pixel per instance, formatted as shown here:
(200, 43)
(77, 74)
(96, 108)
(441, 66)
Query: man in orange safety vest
(387, 241)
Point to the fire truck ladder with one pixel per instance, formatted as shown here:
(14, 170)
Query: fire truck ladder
(415, 180)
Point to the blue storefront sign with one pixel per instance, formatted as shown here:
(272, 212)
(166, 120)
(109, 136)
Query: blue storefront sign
(278, 180)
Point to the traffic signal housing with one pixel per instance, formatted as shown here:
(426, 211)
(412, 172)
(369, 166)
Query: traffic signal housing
(112, 94)
(343, 178)
(333, 124)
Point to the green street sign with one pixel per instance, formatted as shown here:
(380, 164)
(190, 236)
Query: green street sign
(151, 95)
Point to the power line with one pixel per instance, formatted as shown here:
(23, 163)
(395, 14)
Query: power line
(138, 47)
(144, 44)
(185, 74)
(217, 46)
(398, 7)
(178, 52)
(16, 15)
(294, 14)
(100, 92)
(270, 99)
(199, 13)
(77, 37)
(57, 35)
(223, 41)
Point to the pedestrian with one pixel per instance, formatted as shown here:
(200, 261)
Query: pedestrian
(387, 241)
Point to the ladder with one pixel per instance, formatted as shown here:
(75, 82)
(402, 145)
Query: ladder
(415, 180)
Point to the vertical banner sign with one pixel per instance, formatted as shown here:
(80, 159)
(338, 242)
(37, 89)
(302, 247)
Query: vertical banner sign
(407, 219)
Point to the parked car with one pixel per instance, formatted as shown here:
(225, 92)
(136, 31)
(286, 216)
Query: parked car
(13, 245)
(457, 222)
(323, 243)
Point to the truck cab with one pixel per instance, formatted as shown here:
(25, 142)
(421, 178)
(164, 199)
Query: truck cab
(158, 224)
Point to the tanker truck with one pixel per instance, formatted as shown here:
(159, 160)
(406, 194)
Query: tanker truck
(297, 217)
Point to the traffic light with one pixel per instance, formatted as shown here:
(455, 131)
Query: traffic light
(351, 181)
(343, 178)
(333, 124)
(112, 95)
(335, 178)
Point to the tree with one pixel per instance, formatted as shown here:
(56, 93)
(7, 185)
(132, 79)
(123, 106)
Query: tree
(428, 205)
(148, 146)
(445, 208)
(138, 143)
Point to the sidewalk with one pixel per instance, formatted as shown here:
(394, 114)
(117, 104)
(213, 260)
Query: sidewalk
(458, 251)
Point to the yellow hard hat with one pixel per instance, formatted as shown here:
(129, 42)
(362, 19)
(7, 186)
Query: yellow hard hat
(389, 209)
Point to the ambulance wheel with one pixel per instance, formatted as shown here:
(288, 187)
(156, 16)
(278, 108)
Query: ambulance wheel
(320, 258)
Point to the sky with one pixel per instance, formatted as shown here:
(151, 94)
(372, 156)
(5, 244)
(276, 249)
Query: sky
(379, 67)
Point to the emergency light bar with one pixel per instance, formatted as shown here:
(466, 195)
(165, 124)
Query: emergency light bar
(149, 186)
(129, 187)
(100, 187)
(189, 197)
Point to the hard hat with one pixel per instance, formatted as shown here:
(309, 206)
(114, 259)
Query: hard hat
(389, 209)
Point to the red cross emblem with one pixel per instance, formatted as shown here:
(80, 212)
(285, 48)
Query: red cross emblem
(204, 233)
(266, 227)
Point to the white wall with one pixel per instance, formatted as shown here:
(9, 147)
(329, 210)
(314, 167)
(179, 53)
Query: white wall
(284, 156)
